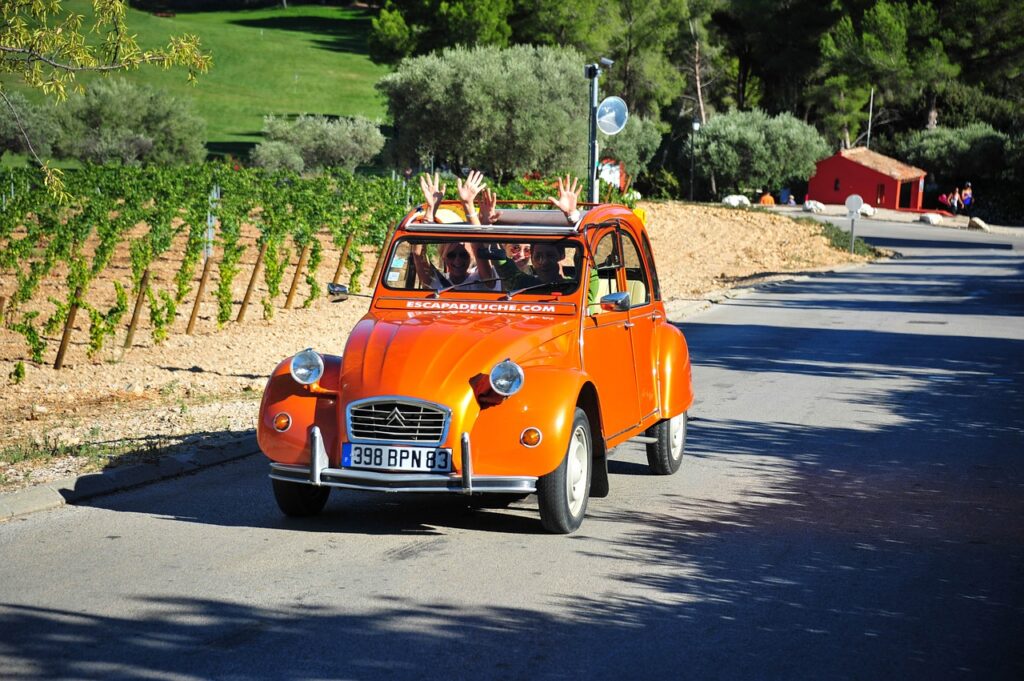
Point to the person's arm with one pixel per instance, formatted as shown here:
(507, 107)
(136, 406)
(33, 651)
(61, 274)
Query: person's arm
(424, 270)
(489, 214)
(433, 194)
(568, 196)
(468, 191)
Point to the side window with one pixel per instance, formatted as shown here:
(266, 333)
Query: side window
(656, 287)
(636, 276)
(608, 262)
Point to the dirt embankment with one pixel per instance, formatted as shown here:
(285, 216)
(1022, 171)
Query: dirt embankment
(203, 389)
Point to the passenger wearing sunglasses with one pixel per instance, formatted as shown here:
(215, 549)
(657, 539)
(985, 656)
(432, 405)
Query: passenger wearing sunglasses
(460, 268)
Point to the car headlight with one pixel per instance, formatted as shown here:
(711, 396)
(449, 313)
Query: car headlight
(307, 367)
(507, 378)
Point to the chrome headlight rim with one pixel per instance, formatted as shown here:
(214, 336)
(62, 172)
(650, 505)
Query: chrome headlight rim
(513, 378)
(310, 367)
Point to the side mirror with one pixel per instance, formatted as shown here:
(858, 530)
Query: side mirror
(615, 302)
(337, 292)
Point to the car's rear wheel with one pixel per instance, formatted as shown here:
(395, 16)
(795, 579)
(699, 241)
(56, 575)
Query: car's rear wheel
(562, 494)
(299, 499)
(666, 453)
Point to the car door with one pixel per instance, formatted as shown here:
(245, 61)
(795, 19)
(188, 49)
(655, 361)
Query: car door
(643, 316)
(607, 346)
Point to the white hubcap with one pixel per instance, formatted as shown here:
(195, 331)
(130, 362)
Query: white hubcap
(677, 434)
(577, 462)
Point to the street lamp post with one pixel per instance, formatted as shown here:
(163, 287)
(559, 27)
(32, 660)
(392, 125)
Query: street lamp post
(696, 127)
(593, 72)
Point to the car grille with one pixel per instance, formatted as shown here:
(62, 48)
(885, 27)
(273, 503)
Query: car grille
(396, 421)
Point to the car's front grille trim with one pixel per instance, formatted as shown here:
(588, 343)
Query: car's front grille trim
(397, 420)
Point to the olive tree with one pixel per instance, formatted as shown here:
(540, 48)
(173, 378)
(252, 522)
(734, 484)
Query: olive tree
(634, 146)
(316, 142)
(22, 121)
(749, 149)
(115, 121)
(507, 111)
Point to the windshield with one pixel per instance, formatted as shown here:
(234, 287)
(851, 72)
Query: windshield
(430, 263)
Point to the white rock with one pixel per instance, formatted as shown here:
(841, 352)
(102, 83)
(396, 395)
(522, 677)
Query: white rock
(978, 223)
(814, 207)
(931, 218)
(736, 201)
(867, 210)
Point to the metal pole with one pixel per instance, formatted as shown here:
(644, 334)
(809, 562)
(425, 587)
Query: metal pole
(595, 72)
(852, 222)
(692, 135)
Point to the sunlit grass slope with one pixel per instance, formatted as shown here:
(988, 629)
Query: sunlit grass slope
(304, 59)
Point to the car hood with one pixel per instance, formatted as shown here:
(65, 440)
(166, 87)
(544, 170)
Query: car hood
(433, 355)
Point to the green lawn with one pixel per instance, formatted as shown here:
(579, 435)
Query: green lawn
(305, 59)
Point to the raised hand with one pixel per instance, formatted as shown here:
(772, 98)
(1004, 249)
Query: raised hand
(568, 195)
(489, 213)
(472, 186)
(433, 194)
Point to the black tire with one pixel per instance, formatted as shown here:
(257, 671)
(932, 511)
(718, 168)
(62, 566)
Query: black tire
(563, 493)
(665, 455)
(298, 499)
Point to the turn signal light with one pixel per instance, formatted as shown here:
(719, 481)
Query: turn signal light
(530, 437)
(282, 422)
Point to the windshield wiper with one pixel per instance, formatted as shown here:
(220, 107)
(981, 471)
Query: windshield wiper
(508, 296)
(439, 291)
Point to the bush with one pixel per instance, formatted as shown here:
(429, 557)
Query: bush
(749, 149)
(634, 146)
(38, 123)
(118, 122)
(317, 142)
(275, 155)
(507, 111)
(955, 155)
(976, 153)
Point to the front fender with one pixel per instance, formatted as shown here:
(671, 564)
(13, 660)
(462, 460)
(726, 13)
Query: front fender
(676, 384)
(547, 401)
(306, 405)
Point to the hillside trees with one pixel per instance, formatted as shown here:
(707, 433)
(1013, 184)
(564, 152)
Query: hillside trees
(894, 50)
(45, 46)
(409, 27)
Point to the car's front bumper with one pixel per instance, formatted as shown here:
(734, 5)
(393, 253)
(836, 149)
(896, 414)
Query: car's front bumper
(320, 473)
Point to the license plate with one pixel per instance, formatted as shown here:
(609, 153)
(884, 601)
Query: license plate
(397, 458)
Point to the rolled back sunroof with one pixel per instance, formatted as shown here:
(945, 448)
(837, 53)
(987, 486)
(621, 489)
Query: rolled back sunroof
(511, 220)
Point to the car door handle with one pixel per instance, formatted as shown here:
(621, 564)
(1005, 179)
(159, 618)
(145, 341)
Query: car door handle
(656, 316)
(629, 325)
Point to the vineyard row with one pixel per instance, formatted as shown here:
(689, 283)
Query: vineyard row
(199, 209)
(192, 216)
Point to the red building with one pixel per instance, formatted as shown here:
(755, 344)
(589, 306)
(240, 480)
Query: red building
(881, 181)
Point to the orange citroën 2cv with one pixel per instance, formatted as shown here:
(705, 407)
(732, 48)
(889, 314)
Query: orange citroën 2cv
(494, 361)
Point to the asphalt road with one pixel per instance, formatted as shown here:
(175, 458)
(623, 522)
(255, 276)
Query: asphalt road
(852, 507)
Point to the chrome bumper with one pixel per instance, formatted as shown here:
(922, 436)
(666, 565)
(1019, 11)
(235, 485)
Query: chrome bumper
(319, 473)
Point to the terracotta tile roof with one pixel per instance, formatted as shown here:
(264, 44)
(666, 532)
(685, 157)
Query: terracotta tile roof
(882, 164)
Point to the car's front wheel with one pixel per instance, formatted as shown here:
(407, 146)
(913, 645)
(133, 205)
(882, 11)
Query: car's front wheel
(666, 453)
(299, 499)
(562, 494)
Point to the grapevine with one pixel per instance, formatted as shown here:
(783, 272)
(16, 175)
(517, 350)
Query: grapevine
(169, 206)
